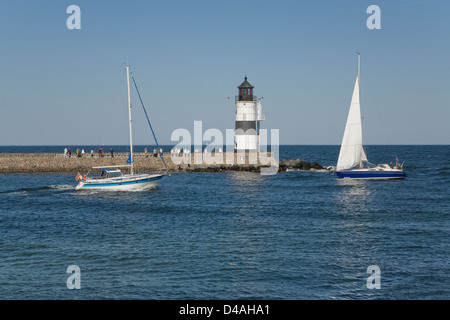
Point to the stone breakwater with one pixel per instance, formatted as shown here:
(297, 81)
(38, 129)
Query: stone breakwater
(57, 163)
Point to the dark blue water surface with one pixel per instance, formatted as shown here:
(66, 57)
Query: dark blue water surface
(233, 235)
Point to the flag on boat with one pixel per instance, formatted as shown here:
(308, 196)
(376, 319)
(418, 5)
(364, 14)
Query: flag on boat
(78, 177)
(129, 159)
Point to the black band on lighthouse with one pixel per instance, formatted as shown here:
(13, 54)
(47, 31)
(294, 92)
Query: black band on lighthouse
(245, 125)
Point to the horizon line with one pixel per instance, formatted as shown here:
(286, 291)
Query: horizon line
(286, 144)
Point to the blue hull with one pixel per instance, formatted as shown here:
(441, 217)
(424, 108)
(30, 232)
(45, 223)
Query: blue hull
(137, 184)
(361, 174)
(122, 183)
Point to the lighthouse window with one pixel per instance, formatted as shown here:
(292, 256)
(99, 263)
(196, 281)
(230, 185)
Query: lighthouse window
(242, 91)
(249, 91)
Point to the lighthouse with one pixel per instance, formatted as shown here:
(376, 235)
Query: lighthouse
(248, 119)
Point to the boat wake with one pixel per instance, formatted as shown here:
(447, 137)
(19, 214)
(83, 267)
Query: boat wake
(38, 189)
(61, 187)
(327, 169)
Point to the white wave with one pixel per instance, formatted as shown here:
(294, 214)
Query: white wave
(62, 187)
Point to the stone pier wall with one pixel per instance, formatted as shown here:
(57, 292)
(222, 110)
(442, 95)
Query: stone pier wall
(57, 163)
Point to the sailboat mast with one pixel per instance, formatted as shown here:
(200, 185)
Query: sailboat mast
(359, 99)
(359, 66)
(130, 120)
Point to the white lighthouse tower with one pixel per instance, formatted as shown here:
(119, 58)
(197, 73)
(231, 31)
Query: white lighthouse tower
(248, 118)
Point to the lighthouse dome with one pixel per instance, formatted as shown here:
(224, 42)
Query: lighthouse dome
(245, 91)
(245, 84)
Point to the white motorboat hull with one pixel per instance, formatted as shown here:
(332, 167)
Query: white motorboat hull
(125, 183)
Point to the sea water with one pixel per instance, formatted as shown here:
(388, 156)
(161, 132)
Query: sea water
(233, 235)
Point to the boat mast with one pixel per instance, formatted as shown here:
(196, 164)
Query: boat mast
(359, 99)
(129, 117)
(359, 65)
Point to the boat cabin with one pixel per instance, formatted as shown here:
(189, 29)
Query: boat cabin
(110, 173)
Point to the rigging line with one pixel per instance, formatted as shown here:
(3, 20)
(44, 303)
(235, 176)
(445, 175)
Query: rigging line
(375, 105)
(148, 120)
(362, 101)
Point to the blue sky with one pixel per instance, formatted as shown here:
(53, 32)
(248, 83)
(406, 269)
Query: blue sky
(68, 87)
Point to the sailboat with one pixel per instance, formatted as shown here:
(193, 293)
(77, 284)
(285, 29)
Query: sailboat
(352, 162)
(111, 177)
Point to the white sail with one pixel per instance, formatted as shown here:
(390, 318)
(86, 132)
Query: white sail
(352, 162)
(352, 152)
(363, 156)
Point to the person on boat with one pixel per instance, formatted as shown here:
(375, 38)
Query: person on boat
(397, 165)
